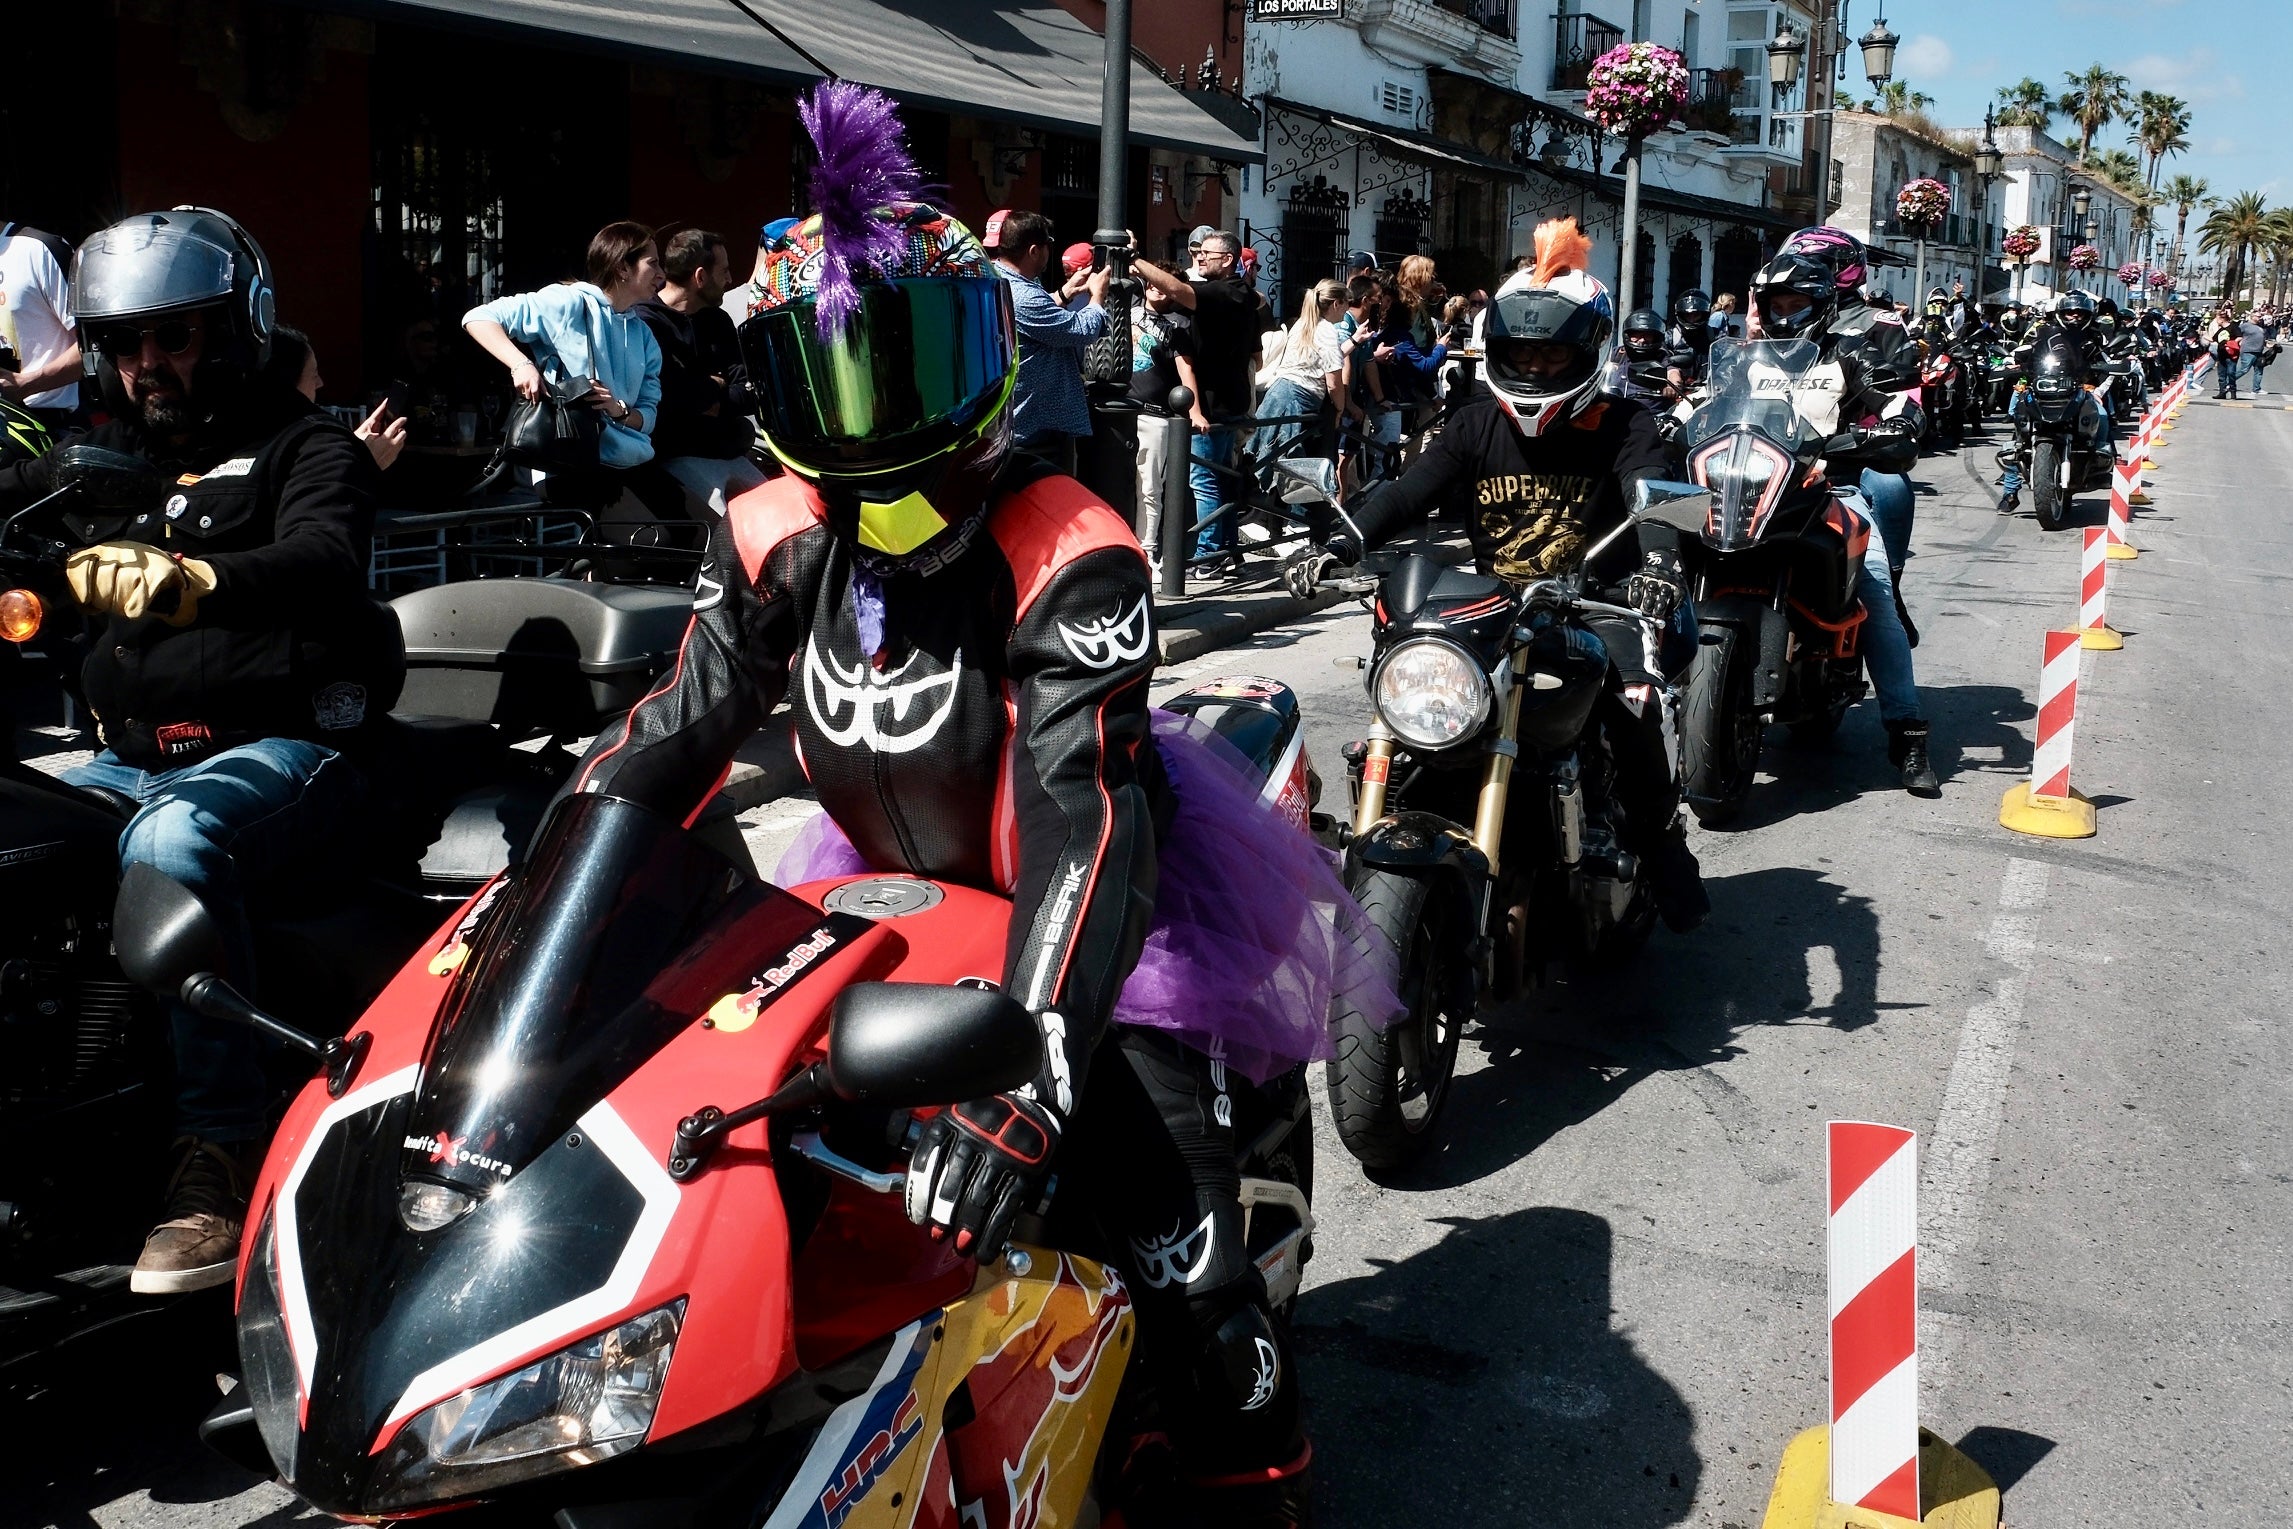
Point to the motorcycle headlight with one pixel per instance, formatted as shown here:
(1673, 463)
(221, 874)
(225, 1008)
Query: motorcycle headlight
(1431, 693)
(587, 1402)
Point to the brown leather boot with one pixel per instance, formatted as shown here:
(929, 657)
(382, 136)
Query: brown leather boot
(198, 1244)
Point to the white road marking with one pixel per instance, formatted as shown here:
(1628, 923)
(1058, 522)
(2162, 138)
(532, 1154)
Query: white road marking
(1959, 1150)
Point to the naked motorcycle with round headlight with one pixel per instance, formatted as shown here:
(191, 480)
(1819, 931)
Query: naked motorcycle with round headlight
(1481, 690)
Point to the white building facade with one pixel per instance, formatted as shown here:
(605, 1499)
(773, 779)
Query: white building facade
(2038, 191)
(1453, 127)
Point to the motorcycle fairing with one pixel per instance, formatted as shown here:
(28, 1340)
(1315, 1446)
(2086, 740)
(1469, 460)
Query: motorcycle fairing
(986, 1414)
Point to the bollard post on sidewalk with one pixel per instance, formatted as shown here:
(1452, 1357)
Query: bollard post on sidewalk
(1178, 495)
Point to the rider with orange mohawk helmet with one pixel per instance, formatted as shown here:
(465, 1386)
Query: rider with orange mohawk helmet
(1546, 461)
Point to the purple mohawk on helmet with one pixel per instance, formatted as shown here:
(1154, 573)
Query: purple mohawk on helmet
(864, 167)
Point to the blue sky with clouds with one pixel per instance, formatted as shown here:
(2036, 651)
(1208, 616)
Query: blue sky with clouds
(2232, 60)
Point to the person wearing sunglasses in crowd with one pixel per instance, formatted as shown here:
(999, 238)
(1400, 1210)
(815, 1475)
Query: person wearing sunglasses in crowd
(237, 657)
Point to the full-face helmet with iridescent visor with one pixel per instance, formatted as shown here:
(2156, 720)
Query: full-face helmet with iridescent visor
(883, 349)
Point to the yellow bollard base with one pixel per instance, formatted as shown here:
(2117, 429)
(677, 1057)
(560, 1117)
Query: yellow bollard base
(2149, 464)
(1954, 1492)
(2046, 817)
(2138, 497)
(2121, 552)
(2100, 639)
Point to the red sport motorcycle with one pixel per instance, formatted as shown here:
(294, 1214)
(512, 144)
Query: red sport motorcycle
(525, 1247)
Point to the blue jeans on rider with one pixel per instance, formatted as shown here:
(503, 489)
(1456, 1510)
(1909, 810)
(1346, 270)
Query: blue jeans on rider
(1213, 445)
(1893, 508)
(1886, 646)
(224, 827)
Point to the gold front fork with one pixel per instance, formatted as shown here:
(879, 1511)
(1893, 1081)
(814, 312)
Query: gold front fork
(1376, 769)
(1497, 775)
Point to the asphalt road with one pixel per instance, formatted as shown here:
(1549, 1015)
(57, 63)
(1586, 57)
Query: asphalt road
(1601, 1301)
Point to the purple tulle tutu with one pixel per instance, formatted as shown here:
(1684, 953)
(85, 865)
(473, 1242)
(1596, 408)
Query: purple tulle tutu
(1255, 939)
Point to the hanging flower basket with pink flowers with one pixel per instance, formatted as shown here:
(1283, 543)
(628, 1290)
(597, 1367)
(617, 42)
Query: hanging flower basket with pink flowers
(1634, 89)
(1922, 203)
(2022, 243)
(2085, 258)
(2159, 281)
(2131, 273)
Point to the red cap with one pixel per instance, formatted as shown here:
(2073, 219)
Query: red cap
(993, 238)
(1248, 259)
(1076, 257)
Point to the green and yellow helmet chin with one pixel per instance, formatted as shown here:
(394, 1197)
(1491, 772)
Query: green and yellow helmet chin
(908, 401)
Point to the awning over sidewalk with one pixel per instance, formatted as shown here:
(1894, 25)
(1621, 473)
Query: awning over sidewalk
(1030, 63)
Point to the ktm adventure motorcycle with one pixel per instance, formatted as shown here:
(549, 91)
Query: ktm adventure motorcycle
(1480, 690)
(1775, 567)
(83, 1051)
(597, 1212)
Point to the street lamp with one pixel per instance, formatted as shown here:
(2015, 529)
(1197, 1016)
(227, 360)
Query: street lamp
(1879, 53)
(1785, 51)
(1989, 163)
(2080, 201)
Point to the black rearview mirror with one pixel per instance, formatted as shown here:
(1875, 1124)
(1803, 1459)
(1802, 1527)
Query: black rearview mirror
(107, 480)
(905, 1044)
(164, 933)
(1682, 506)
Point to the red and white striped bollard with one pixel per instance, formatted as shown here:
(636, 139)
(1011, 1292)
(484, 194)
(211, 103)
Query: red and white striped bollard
(2094, 586)
(1873, 1257)
(2045, 805)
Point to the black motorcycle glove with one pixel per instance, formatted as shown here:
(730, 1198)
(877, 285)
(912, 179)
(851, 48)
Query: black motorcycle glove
(977, 1166)
(1304, 572)
(1658, 587)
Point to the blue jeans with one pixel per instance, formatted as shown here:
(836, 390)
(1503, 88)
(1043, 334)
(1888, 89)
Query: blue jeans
(225, 827)
(1213, 445)
(1886, 646)
(1893, 509)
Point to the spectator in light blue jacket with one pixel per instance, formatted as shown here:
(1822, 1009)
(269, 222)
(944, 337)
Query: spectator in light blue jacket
(1049, 408)
(585, 329)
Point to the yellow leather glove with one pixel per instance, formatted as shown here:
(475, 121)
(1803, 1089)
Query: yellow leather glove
(129, 579)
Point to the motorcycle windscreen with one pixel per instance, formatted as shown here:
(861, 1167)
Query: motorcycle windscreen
(620, 930)
(1745, 442)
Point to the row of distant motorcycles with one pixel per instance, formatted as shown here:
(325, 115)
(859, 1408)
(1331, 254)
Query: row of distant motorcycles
(584, 1200)
(2059, 443)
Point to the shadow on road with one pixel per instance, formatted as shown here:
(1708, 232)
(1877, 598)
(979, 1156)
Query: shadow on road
(1551, 1418)
(116, 1415)
(1784, 946)
(2006, 1453)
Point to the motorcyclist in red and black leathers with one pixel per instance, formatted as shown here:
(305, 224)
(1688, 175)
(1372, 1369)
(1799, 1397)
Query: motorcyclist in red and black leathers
(1546, 459)
(970, 639)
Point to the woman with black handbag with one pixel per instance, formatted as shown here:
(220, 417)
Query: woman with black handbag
(586, 370)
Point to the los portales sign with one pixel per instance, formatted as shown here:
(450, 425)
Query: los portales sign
(1297, 10)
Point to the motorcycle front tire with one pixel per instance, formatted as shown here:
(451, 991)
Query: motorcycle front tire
(1719, 732)
(2046, 495)
(1388, 1084)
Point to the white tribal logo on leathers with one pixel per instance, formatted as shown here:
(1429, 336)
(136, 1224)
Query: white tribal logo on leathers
(1110, 640)
(831, 690)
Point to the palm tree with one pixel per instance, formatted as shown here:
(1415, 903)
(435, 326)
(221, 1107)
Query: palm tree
(2277, 237)
(2025, 104)
(2185, 192)
(2160, 125)
(2232, 229)
(2095, 99)
(1897, 99)
(2120, 169)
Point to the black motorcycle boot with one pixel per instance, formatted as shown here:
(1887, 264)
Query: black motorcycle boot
(1676, 881)
(2010, 501)
(198, 1244)
(1907, 751)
